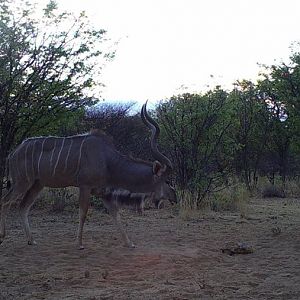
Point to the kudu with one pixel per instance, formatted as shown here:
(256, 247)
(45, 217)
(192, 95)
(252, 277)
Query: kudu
(85, 161)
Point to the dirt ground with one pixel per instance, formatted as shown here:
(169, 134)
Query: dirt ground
(174, 258)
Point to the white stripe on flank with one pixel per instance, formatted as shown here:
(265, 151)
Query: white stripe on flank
(16, 154)
(26, 170)
(58, 156)
(80, 153)
(41, 156)
(68, 154)
(32, 158)
(52, 153)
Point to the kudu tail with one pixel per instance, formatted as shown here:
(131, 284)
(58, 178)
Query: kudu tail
(7, 176)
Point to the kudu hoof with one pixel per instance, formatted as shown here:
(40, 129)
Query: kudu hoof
(130, 245)
(2, 237)
(31, 243)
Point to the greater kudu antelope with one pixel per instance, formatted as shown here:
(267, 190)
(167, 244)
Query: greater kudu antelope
(85, 161)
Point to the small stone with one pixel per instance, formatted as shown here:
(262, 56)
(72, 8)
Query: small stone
(276, 230)
(104, 274)
(237, 248)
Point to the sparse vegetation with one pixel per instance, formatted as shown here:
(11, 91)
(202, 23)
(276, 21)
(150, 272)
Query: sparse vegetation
(97, 203)
(64, 199)
(273, 191)
(233, 198)
(187, 205)
(292, 188)
(247, 133)
(58, 200)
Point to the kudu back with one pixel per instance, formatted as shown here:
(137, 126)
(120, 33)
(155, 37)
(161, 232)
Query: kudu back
(86, 161)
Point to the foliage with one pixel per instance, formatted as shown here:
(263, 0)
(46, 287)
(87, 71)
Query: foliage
(281, 86)
(58, 200)
(272, 191)
(233, 198)
(193, 133)
(251, 131)
(48, 71)
(127, 130)
(48, 66)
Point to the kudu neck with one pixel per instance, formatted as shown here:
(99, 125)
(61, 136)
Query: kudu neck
(133, 175)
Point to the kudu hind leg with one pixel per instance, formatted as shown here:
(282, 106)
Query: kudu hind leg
(84, 203)
(10, 197)
(25, 206)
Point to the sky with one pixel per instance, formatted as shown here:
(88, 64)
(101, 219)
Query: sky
(167, 47)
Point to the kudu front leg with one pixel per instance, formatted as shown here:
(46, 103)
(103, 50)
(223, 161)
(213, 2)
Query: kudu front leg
(84, 203)
(117, 220)
(114, 212)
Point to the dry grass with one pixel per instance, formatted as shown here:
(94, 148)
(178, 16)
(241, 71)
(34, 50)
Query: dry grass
(58, 199)
(272, 191)
(292, 188)
(233, 199)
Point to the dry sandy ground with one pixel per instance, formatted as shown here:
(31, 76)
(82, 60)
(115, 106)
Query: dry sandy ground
(175, 258)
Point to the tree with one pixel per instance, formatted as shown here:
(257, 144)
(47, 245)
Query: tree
(48, 68)
(281, 87)
(251, 132)
(194, 133)
(127, 130)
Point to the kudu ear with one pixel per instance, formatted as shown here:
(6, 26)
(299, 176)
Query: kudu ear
(158, 169)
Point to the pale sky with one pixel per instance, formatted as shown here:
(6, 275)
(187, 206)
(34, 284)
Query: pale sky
(166, 44)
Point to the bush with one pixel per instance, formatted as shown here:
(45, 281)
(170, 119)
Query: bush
(233, 198)
(58, 199)
(97, 203)
(187, 203)
(272, 191)
(292, 188)
(187, 207)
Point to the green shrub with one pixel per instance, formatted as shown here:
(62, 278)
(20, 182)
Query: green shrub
(58, 199)
(272, 191)
(187, 203)
(233, 198)
(97, 203)
(292, 188)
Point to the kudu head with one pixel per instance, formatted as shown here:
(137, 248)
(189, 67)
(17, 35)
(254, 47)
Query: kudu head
(165, 192)
(162, 166)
